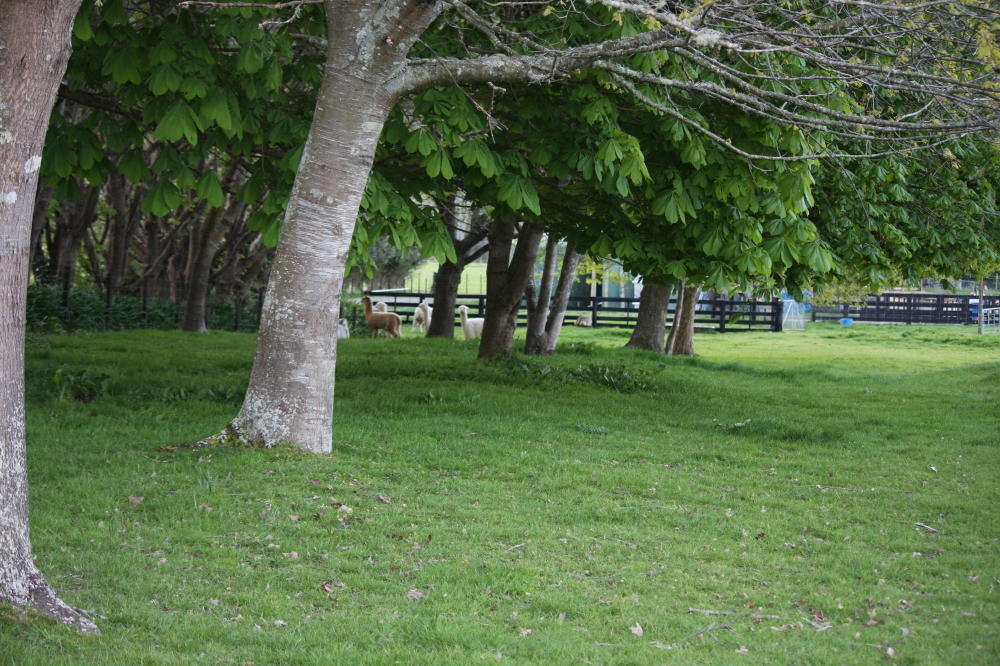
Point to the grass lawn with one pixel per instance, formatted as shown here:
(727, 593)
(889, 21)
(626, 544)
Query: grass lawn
(569, 510)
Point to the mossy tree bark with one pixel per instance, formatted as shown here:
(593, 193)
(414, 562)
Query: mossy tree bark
(506, 279)
(651, 320)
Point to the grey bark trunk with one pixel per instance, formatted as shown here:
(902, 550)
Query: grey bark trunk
(684, 338)
(42, 202)
(35, 36)
(668, 349)
(544, 342)
(506, 279)
(204, 241)
(290, 397)
(651, 320)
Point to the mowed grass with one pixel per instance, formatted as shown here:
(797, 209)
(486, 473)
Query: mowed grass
(539, 513)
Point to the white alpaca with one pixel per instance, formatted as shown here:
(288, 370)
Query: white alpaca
(381, 307)
(471, 328)
(343, 330)
(422, 316)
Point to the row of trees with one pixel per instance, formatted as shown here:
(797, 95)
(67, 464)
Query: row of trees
(718, 144)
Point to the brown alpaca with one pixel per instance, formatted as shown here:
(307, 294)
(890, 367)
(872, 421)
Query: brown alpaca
(387, 321)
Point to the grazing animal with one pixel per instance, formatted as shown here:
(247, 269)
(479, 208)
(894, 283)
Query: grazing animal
(471, 328)
(343, 330)
(422, 316)
(387, 321)
(584, 321)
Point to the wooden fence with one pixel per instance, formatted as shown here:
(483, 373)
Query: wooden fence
(722, 314)
(909, 309)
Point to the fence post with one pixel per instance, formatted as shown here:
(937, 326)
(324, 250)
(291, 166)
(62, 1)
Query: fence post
(482, 306)
(722, 316)
(593, 311)
(778, 312)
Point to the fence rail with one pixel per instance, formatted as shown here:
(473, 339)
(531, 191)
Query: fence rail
(722, 314)
(909, 309)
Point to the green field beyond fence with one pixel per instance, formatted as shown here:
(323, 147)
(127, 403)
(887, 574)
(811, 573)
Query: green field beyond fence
(824, 497)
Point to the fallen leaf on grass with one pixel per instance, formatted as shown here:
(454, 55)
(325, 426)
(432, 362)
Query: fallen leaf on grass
(257, 627)
(973, 578)
(760, 536)
(743, 650)
(415, 594)
(729, 513)
(637, 629)
(745, 532)
(906, 632)
(525, 632)
(293, 518)
(890, 652)
(384, 499)
(874, 623)
(967, 614)
(136, 501)
(292, 555)
(344, 509)
(280, 623)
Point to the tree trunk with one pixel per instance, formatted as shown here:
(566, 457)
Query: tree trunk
(506, 279)
(43, 199)
(668, 349)
(449, 275)
(545, 343)
(651, 320)
(35, 39)
(684, 338)
(204, 240)
(290, 397)
(446, 281)
(538, 303)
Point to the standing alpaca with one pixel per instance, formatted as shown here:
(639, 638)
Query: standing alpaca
(387, 321)
(381, 307)
(422, 316)
(343, 329)
(471, 328)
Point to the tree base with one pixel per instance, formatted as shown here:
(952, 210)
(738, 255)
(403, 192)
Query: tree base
(43, 599)
(228, 436)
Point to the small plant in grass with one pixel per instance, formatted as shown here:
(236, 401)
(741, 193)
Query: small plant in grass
(616, 376)
(82, 386)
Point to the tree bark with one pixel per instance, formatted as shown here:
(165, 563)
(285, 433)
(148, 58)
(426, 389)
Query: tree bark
(290, 396)
(449, 274)
(43, 199)
(35, 36)
(506, 279)
(668, 349)
(683, 342)
(651, 320)
(543, 342)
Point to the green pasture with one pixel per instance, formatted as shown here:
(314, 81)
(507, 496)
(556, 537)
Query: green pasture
(832, 495)
(421, 278)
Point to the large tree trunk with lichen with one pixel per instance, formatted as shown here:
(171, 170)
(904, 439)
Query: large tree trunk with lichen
(34, 50)
(651, 320)
(290, 397)
(506, 279)
(543, 332)
(683, 338)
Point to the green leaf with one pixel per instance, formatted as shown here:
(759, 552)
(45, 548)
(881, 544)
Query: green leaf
(163, 53)
(250, 58)
(209, 188)
(215, 107)
(162, 198)
(177, 122)
(166, 78)
(194, 86)
(184, 178)
(113, 12)
(81, 27)
(133, 166)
